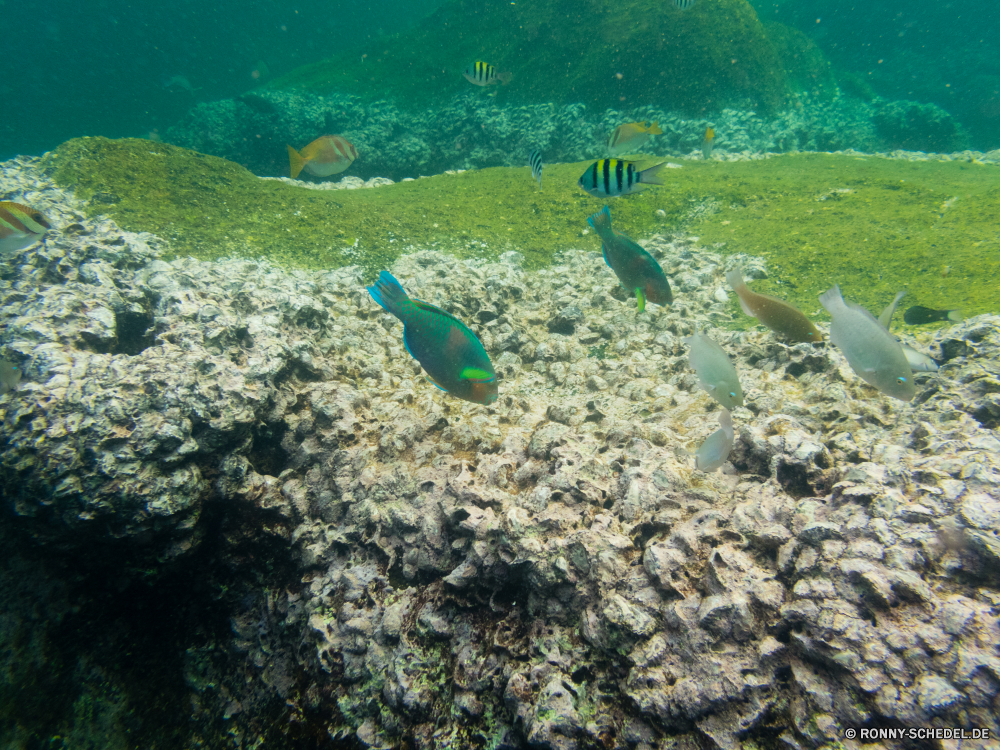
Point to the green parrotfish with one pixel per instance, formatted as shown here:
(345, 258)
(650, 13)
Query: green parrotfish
(451, 355)
(636, 269)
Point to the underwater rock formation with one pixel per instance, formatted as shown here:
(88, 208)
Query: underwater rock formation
(549, 570)
(918, 127)
(467, 131)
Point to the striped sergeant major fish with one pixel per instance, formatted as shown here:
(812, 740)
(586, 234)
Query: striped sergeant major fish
(684, 4)
(535, 160)
(483, 74)
(20, 226)
(614, 177)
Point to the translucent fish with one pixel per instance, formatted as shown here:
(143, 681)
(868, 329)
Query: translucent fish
(10, 376)
(714, 452)
(535, 161)
(873, 352)
(483, 74)
(327, 155)
(20, 226)
(715, 371)
(630, 136)
(777, 315)
(614, 177)
(636, 269)
(451, 355)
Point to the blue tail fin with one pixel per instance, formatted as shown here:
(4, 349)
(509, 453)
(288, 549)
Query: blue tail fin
(600, 220)
(388, 293)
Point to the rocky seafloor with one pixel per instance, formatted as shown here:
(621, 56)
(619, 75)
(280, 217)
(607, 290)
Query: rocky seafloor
(236, 514)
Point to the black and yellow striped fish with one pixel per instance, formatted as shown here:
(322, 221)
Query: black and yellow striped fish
(20, 226)
(614, 177)
(483, 74)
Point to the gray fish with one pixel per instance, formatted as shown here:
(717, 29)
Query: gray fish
(714, 452)
(886, 317)
(10, 376)
(715, 371)
(873, 352)
(918, 362)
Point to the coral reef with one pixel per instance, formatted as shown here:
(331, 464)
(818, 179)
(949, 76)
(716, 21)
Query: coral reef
(397, 568)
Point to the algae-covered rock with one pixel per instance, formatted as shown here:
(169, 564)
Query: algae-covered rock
(818, 218)
(919, 127)
(603, 53)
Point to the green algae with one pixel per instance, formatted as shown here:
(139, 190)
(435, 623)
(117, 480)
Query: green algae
(873, 225)
(603, 52)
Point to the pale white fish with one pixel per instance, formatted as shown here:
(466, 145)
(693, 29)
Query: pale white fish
(873, 353)
(918, 362)
(715, 371)
(886, 317)
(714, 452)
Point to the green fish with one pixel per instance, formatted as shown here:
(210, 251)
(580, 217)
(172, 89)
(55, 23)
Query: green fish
(636, 269)
(451, 355)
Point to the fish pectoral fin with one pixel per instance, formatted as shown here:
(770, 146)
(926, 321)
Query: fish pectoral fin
(474, 373)
(743, 306)
(641, 295)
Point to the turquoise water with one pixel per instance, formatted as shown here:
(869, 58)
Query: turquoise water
(103, 68)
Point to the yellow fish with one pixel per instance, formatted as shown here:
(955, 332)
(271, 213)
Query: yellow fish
(631, 136)
(708, 143)
(327, 155)
(20, 226)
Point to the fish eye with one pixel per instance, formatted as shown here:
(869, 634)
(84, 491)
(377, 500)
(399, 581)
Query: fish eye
(901, 381)
(732, 394)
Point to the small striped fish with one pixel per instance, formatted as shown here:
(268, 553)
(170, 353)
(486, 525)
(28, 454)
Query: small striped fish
(20, 226)
(614, 177)
(684, 4)
(535, 160)
(483, 74)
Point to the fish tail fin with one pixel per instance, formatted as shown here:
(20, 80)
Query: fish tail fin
(600, 220)
(653, 175)
(505, 77)
(654, 129)
(734, 277)
(641, 295)
(295, 161)
(388, 293)
(954, 316)
(832, 298)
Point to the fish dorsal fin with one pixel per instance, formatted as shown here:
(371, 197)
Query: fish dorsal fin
(475, 373)
(428, 307)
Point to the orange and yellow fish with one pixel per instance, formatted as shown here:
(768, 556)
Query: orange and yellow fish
(20, 226)
(327, 155)
(630, 136)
